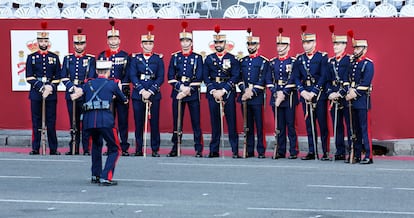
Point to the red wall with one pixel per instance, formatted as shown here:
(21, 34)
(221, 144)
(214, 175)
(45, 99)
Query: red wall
(390, 46)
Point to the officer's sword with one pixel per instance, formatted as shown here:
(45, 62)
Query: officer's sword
(147, 114)
(73, 129)
(179, 131)
(221, 102)
(353, 136)
(44, 128)
(315, 146)
(276, 135)
(245, 128)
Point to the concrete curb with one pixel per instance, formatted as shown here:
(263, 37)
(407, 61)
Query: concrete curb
(22, 138)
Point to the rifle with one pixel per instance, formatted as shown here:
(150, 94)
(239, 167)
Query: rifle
(179, 131)
(353, 136)
(73, 129)
(245, 128)
(147, 117)
(276, 135)
(315, 146)
(221, 125)
(43, 130)
(335, 125)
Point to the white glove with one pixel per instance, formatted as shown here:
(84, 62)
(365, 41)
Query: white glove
(146, 94)
(351, 94)
(334, 96)
(48, 89)
(185, 89)
(181, 95)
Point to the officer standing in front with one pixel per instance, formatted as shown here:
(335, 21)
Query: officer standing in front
(310, 76)
(99, 121)
(221, 73)
(146, 71)
(338, 79)
(254, 69)
(76, 68)
(43, 75)
(284, 97)
(359, 93)
(185, 73)
(120, 60)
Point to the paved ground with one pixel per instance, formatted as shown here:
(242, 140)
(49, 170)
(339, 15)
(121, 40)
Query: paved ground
(58, 186)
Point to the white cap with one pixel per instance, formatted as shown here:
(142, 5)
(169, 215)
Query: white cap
(103, 65)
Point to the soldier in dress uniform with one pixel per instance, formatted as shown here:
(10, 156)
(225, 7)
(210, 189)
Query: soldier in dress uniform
(282, 85)
(359, 93)
(43, 75)
(76, 69)
(254, 69)
(310, 76)
(185, 73)
(221, 73)
(120, 60)
(99, 121)
(338, 79)
(146, 71)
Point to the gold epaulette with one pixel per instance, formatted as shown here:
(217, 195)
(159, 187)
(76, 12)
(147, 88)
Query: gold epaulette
(160, 55)
(134, 55)
(293, 58)
(323, 53)
(369, 59)
(175, 53)
(90, 55)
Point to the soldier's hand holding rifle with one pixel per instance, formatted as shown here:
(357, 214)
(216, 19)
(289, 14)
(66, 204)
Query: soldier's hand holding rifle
(146, 94)
(218, 94)
(77, 93)
(351, 94)
(279, 98)
(47, 90)
(334, 96)
(248, 94)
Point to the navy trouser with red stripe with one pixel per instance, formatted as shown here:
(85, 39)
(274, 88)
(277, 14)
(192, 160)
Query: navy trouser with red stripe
(110, 135)
(362, 128)
(85, 136)
(50, 119)
(255, 115)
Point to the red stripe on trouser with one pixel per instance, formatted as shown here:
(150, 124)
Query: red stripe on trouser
(90, 143)
(117, 143)
(264, 136)
(369, 132)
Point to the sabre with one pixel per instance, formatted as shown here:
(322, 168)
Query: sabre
(73, 129)
(147, 116)
(179, 131)
(44, 128)
(315, 147)
(245, 128)
(276, 135)
(221, 125)
(353, 136)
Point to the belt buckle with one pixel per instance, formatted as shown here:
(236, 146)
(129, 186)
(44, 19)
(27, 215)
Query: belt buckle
(308, 82)
(218, 79)
(185, 79)
(76, 81)
(280, 82)
(353, 84)
(44, 79)
(250, 86)
(142, 76)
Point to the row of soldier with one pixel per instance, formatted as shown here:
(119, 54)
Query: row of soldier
(341, 83)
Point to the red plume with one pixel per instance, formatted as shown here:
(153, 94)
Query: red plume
(79, 30)
(280, 30)
(43, 25)
(150, 27)
(332, 28)
(249, 30)
(217, 28)
(303, 27)
(112, 22)
(184, 24)
(350, 33)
